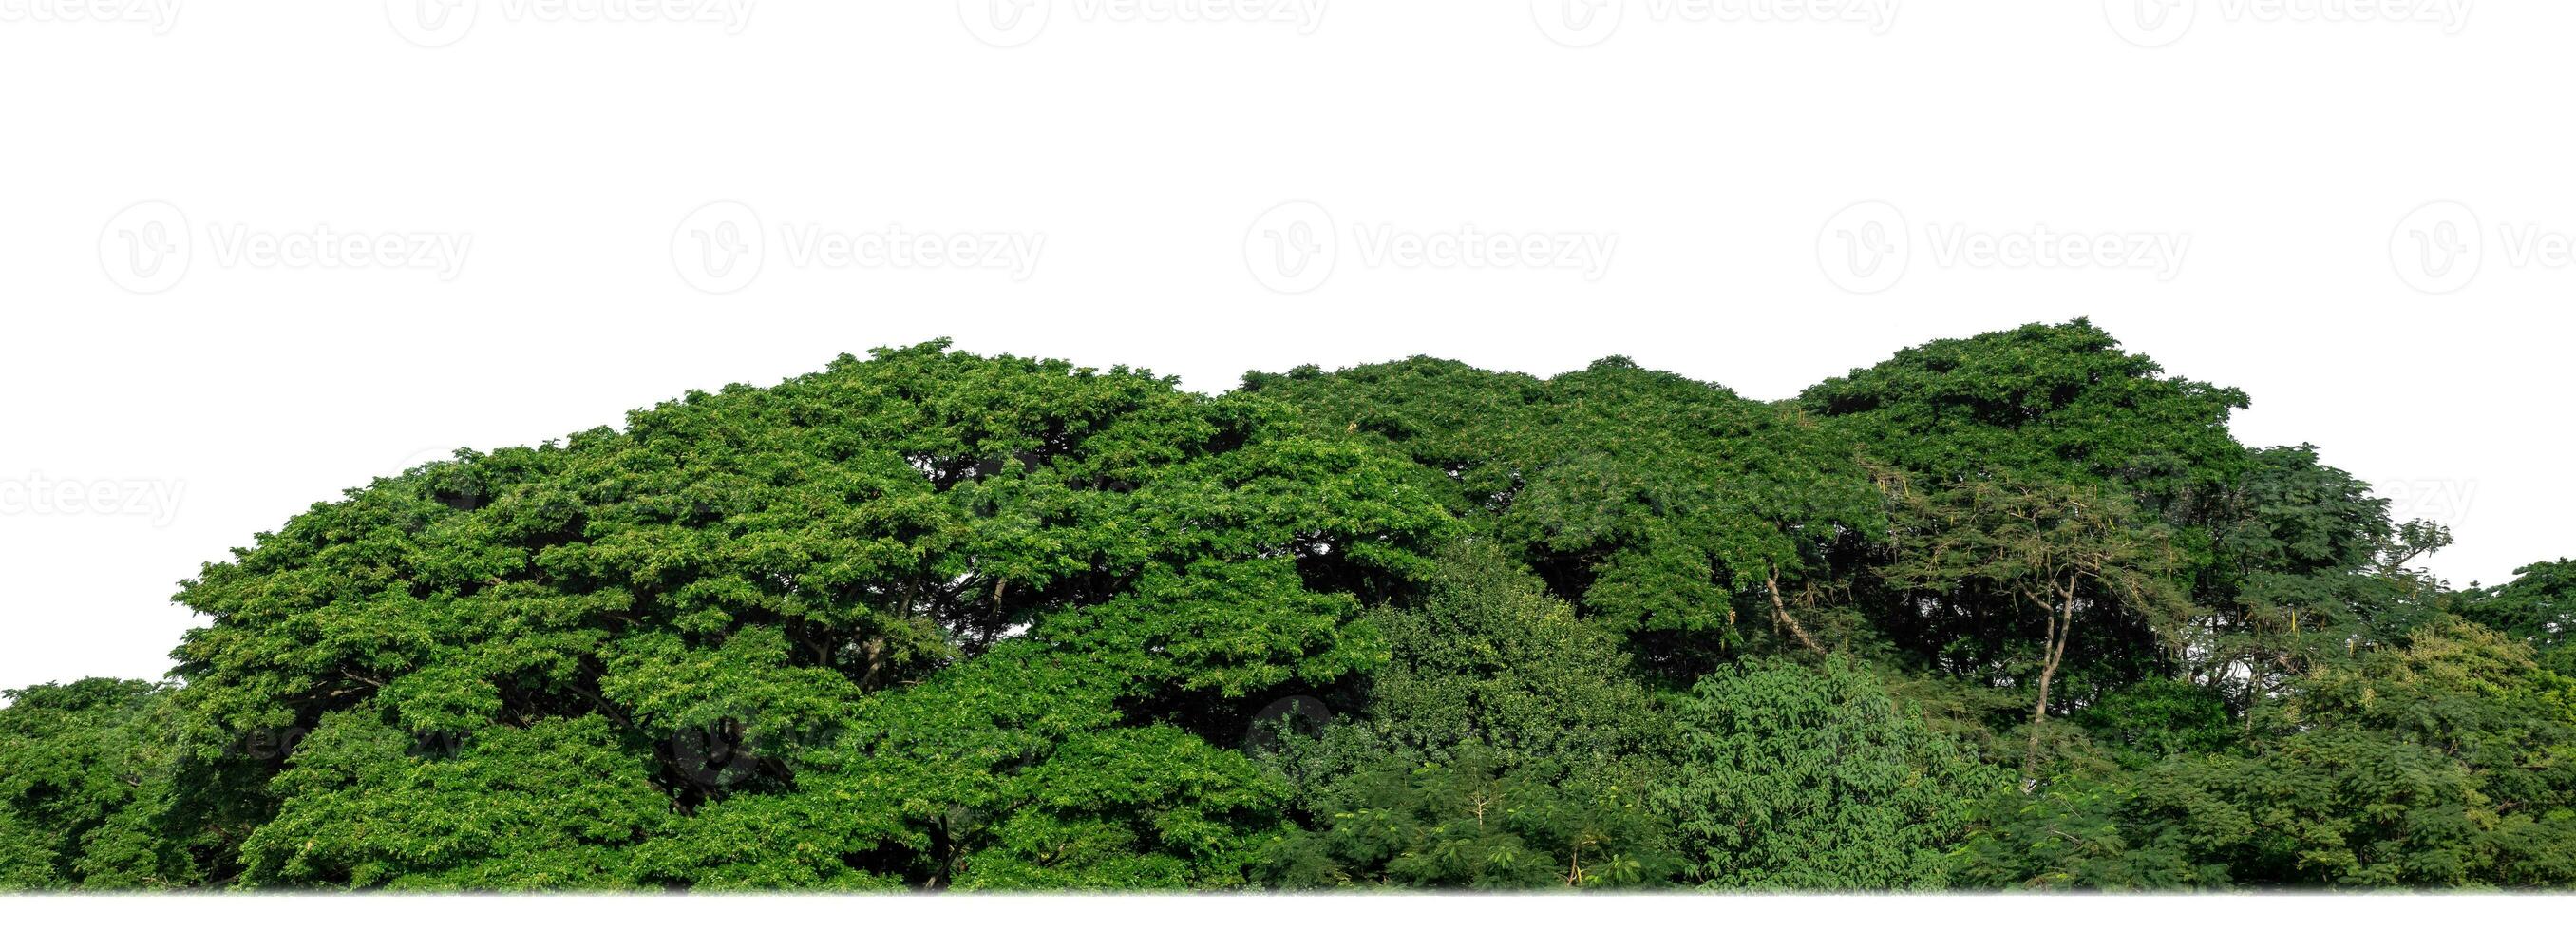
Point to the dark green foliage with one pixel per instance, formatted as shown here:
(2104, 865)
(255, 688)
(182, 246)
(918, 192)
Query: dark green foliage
(933, 621)
(1467, 819)
(2158, 718)
(2538, 607)
(2056, 401)
(1658, 504)
(692, 638)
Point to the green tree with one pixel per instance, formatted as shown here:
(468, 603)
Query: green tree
(90, 790)
(1504, 743)
(928, 620)
(2046, 401)
(2538, 607)
(2070, 557)
(1662, 507)
(1487, 657)
(1469, 820)
(2442, 761)
(1800, 776)
(718, 628)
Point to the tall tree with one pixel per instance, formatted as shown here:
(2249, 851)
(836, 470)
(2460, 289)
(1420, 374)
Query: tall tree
(2069, 555)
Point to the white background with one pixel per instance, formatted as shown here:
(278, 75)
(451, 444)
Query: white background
(1141, 150)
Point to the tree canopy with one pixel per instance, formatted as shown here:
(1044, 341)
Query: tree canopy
(2011, 611)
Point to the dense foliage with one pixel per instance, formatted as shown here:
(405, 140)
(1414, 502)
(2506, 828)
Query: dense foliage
(2014, 611)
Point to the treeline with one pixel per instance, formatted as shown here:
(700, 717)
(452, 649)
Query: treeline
(2014, 611)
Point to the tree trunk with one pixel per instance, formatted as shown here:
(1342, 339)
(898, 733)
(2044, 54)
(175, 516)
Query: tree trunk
(2050, 652)
(1782, 609)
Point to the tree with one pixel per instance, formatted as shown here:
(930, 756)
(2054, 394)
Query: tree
(90, 790)
(934, 621)
(2048, 401)
(1503, 744)
(1486, 656)
(1468, 820)
(1662, 507)
(717, 622)
(2441, 761)
(2538, 607)
(2066, 553)
(1800, 776)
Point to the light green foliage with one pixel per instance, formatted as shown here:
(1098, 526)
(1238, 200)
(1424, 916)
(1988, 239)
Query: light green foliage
(1800, 776)
(2450, 761)
(2447, 761)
